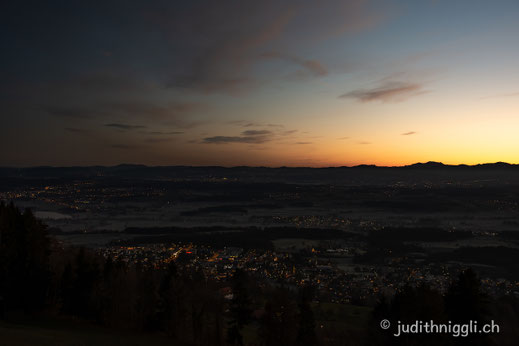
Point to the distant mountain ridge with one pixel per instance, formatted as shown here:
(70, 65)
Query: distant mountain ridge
(143, 171)
(434, 164)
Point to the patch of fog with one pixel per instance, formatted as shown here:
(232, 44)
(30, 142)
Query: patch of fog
(51, 215)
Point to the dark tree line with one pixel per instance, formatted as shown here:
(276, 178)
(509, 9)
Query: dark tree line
(24, 260)
(37, 274)
(463, 302)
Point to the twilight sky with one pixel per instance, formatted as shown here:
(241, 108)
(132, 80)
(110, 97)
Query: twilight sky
(271, 83)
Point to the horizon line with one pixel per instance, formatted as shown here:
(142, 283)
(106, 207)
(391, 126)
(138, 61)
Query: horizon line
(364, 165)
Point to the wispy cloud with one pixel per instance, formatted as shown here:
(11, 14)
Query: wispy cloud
(363, 143)
(175, 114)
(246, 123)
(256, 132)
(163, 133)
(243, 123)
(408, 133)
(125, 126)
(158, 140)
(225, 46)
(250, 137)
(343, 138)
(236, 139)
(312, 67)
(224, 63)
(388, 92)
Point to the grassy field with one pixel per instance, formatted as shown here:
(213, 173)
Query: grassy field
(70, 332)
(350, 316)
(73, 333)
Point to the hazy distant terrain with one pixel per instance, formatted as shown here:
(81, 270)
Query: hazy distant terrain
(438, 211)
